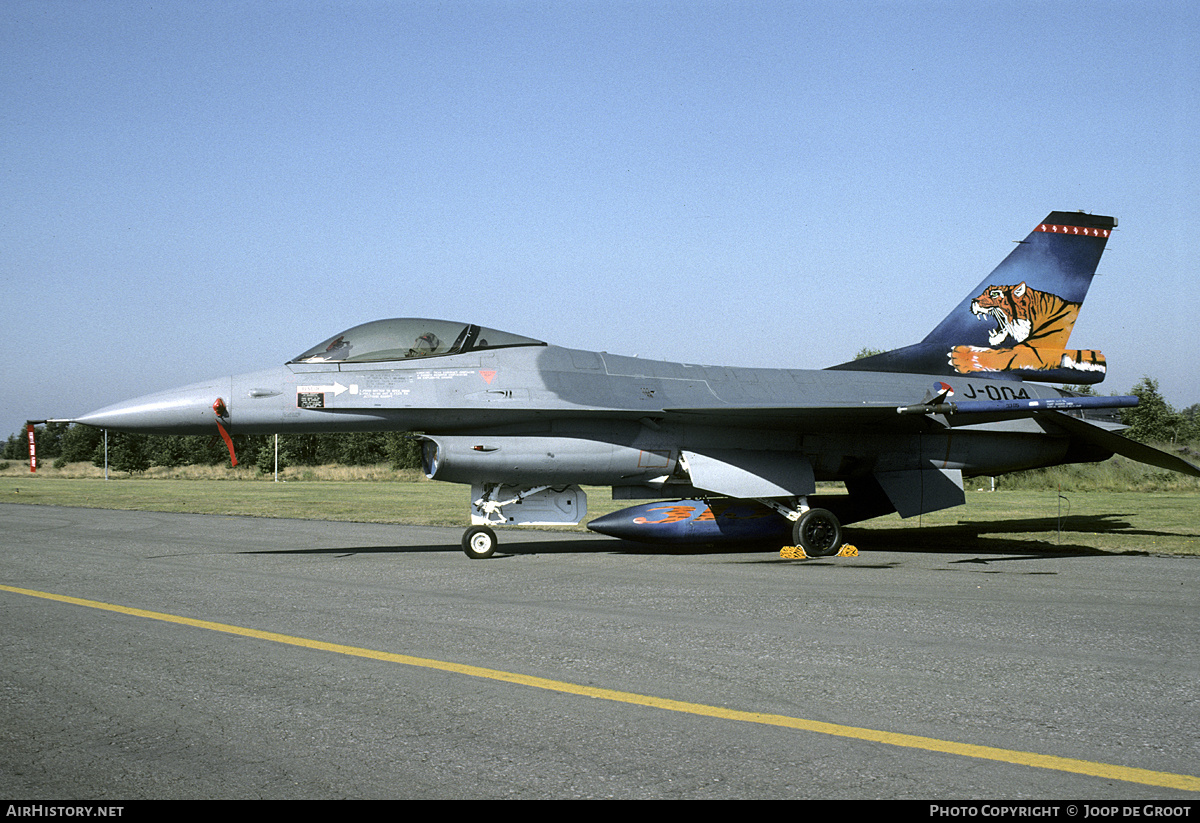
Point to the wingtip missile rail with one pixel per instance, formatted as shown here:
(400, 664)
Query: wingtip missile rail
(1023, 405)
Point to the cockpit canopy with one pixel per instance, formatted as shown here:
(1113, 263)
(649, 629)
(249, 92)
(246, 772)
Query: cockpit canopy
(407, 337)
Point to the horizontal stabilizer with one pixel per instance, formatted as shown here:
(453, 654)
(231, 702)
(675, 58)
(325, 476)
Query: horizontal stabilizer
(1121, 445)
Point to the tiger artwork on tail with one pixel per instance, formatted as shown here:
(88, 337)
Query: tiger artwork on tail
(1034, 325)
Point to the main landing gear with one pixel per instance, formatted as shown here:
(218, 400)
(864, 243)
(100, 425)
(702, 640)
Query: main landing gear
(817, 531)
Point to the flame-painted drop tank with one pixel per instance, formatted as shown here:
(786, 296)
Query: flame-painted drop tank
(714, 521)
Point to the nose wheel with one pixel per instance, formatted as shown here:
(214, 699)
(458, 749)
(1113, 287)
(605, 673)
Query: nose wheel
(479, 542)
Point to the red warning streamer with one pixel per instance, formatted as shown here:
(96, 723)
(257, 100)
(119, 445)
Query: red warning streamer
(221, 411)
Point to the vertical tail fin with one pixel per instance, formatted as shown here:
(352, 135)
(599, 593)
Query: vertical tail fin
(1017, 322)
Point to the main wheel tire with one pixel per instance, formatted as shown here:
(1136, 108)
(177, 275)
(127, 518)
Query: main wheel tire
(818, 533)
(479, 542)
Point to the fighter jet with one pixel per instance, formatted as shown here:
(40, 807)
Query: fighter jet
(526, 423)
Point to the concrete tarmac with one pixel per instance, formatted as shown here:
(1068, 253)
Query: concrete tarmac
(422, 688)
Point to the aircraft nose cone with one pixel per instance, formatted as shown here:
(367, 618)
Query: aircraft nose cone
(185, 410)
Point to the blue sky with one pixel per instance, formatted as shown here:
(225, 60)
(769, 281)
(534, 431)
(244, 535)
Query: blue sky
(191, 189)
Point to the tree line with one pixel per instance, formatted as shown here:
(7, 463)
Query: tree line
(1153, 420)
(64, 443)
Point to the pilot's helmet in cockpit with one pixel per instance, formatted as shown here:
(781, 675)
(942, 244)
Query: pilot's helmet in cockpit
(427, 343)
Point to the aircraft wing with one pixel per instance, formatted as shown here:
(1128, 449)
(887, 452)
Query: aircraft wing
(834, 417)
(1051, 411)
(890, 415)
(1113, 442)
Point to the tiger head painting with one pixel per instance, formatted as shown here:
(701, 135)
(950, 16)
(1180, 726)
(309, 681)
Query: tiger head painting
(1032, 328)
(1022, 313)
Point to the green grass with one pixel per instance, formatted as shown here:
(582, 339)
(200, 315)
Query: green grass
(396, 501)
(1005, 521)
(1113, 475)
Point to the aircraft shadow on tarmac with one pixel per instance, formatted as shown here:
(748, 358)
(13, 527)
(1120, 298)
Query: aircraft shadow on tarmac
(1023, 537)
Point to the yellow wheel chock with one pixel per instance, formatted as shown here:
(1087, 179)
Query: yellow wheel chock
(798, 553)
